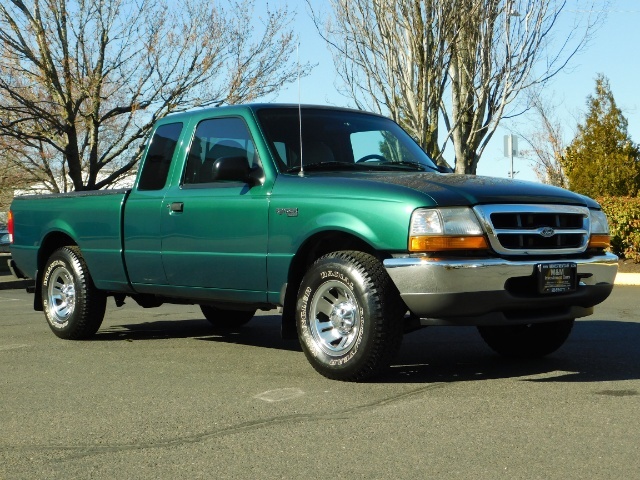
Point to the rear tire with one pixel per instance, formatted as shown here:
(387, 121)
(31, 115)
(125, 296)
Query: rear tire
(349, 315)
(226, 318)
(527, 341)
(73, 306)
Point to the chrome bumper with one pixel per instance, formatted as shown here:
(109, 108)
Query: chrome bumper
(477, 292)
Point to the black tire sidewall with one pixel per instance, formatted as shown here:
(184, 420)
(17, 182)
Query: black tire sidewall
(222, 318)
(527, 341)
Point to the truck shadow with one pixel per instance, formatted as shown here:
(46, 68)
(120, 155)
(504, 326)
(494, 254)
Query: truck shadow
(597, 351)
(263, 332)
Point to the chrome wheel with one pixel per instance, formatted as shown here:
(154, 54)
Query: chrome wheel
(334, 318)
(61, 295)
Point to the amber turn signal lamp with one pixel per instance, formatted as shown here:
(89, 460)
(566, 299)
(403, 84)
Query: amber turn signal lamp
(442, 243)
(599, 241)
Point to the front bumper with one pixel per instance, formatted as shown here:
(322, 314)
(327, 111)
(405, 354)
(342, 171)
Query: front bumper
(495, 291)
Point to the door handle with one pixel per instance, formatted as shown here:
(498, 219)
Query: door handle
(177, 207)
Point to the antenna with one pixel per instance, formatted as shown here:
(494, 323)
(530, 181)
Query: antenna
(301, 172)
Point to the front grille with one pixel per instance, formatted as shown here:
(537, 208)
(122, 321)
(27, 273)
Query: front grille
(536, 229)
(515, 220)
(529, 241)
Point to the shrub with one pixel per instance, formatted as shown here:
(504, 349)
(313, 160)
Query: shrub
(624, 220)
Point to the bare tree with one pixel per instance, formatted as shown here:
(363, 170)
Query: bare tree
(485, 52)
(502, 48)
(393, 57)
(12, 174)
(547, 144)
(81, 82)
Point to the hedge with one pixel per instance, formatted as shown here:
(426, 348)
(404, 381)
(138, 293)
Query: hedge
(624, 220)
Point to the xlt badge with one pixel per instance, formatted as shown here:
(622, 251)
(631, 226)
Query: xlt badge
(289, 212)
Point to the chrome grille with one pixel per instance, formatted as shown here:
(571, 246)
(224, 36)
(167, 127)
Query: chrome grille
(535, 229)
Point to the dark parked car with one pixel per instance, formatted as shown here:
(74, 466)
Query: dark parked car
(4, 239)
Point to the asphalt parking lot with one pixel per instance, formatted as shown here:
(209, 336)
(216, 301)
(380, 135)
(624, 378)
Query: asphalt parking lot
(159, 394)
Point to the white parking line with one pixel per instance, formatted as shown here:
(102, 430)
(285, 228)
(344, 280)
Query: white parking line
(9, 299)
(279, 395)
(13, 347)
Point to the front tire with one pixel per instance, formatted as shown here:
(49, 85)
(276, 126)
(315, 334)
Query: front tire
(349, 316)
(73, 306)
(527, 341)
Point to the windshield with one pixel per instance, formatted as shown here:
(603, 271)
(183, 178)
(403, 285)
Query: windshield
(340, 140)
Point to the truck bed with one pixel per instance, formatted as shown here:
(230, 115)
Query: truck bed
(92, 220)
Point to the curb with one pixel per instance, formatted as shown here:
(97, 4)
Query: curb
(627, 279)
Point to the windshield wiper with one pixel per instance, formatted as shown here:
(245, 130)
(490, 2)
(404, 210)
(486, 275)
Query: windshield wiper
(333, 165)
(415, 165)
(383, 166)
(402, 165)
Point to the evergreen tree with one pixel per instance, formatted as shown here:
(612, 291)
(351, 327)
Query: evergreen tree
(602, 159)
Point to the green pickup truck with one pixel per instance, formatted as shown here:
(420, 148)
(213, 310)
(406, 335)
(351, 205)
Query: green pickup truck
(335, 216)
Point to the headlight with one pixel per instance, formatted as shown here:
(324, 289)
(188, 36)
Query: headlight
(600, 237)
(599, 222)
(445, 229)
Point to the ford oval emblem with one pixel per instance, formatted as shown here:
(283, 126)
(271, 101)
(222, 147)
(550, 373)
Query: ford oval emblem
(547, 232)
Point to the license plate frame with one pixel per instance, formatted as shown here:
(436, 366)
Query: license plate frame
(555, 278)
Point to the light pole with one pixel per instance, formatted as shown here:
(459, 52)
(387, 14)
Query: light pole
(511, 150)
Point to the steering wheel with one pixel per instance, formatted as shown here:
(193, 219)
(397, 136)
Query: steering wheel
(373, 156)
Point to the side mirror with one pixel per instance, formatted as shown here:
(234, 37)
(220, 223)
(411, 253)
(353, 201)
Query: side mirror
(231, 169)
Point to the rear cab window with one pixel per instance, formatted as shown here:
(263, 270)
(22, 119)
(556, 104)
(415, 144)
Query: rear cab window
(157, 163)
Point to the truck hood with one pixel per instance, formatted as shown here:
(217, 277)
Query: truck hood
(446, 189)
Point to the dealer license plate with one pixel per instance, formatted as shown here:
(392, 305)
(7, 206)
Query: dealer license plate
(556, 277)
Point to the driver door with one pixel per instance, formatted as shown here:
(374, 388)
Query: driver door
(214, 233)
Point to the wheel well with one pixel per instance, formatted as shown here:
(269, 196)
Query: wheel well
(314, 248)
(50, 244)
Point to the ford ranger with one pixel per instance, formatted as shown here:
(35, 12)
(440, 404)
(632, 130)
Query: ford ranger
(335, 216)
